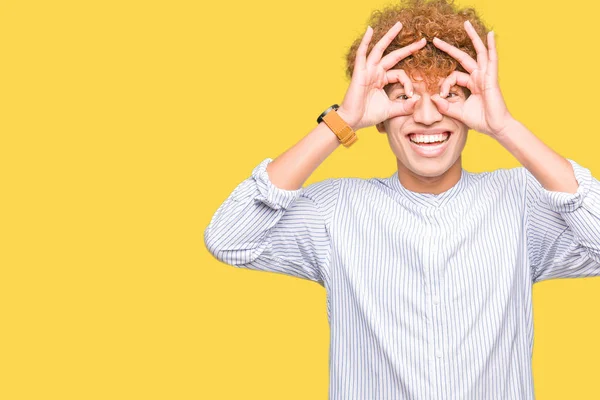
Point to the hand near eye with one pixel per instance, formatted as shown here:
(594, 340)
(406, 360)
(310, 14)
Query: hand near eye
(366, 102)
(484, 110)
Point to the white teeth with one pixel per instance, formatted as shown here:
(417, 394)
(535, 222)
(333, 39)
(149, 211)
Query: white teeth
(418, 138)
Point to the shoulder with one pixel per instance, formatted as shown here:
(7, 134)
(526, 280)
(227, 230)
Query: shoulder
(501, 186)
(324, 195)
(505, 178)
(329, 193)
(337, 186)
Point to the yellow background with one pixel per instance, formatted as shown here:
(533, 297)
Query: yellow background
(125, 124)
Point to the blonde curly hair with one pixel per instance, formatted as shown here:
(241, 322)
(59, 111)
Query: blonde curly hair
(428, 19)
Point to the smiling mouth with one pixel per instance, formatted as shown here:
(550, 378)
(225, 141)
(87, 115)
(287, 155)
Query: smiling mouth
(430, 144)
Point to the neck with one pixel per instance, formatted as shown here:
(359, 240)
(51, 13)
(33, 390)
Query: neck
(430, 184)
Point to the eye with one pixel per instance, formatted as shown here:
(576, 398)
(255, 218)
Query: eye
(403, 98)
(455, 94)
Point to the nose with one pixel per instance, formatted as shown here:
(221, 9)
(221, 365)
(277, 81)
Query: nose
(425, 111)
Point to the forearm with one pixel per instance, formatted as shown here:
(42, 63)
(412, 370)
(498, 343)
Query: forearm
(292, 168)
(550, 169)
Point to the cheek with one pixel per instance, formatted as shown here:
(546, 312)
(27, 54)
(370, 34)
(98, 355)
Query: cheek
(397, 124)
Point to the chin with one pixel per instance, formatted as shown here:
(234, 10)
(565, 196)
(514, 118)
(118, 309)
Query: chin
(429, 167)
(433, 172)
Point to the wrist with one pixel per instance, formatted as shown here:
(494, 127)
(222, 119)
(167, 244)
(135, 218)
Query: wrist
(509, 126)
(348, 119)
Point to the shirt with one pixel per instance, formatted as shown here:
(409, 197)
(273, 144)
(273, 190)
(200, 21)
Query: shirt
(428, 295)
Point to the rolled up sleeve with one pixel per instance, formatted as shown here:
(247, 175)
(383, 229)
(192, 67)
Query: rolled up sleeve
(563, 229)
(263, 227)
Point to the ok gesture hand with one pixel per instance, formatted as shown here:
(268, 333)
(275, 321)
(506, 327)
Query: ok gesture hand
(366, 102)
(484, 110)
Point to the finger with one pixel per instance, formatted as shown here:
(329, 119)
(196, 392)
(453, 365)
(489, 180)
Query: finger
(395, 56)
(492, 70)
(361, 52)
(383, 43)
(400, 108)
(455, 78)
(400, 76)
(453, 110)
(482, 58)
(463, 58)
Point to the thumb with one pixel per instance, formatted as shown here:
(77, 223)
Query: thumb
(407, 107)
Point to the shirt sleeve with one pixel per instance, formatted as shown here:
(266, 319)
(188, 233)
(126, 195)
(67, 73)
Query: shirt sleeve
(563, 229)
(263, 227)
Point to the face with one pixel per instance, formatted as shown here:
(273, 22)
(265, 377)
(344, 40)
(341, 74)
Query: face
(427, 163)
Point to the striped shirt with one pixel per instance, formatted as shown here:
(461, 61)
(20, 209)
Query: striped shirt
(428, 295)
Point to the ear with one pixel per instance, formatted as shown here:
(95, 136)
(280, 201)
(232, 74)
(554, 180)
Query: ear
(380, 127)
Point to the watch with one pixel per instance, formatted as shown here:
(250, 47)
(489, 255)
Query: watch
(342, 130)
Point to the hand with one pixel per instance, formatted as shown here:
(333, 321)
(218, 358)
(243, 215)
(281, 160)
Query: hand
(365, 102)
(484, 110)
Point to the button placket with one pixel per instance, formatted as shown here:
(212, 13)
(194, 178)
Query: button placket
(435, 289)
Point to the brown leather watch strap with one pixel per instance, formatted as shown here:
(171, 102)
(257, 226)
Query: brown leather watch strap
(341, 129)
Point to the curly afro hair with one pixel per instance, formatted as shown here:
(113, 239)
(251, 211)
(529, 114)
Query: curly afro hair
(429, 19)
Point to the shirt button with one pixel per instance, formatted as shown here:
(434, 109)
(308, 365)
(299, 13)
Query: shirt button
(438, 354)
(436, 300)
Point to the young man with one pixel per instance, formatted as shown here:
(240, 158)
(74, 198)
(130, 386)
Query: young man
(429, 271)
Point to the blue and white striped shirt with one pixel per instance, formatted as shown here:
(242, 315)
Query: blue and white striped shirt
(428, 296)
